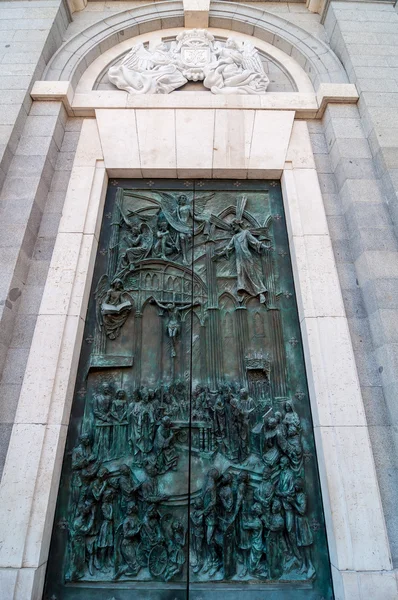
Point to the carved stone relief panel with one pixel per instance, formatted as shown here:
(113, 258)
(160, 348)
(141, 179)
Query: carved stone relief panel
(190, 467)
(229, 67)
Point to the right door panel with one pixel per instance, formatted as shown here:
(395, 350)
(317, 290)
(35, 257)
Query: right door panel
(256, 527)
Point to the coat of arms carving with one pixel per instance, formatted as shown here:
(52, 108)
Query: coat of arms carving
(196, 48)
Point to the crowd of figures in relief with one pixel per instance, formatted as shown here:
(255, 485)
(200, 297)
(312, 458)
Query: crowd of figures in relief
(240, 525)
(191, 456)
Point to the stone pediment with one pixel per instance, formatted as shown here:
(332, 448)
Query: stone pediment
(232, 67)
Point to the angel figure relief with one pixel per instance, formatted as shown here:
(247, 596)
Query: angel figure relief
(237, 69)
(176, 222)
(144, 72)
(114, 305)
(250, 278)
(137, 243)
(183, 213)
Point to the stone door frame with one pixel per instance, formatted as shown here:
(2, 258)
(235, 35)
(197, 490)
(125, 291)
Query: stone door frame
(196, 143)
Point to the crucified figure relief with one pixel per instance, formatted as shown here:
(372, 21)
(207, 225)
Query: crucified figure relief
(174, 311)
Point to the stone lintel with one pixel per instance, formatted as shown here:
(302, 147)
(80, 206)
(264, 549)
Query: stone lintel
(307, 106)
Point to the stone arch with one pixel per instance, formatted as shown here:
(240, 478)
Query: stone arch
(313, 55)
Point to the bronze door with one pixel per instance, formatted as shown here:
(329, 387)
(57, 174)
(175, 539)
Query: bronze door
(190, 467)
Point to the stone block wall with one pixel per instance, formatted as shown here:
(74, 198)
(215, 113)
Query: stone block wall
(30, 33)
(30, 139)
(33, 198)
(363, 159)
(364, 36)
(359, 226)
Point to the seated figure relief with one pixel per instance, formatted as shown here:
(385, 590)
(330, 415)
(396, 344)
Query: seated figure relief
(230, 68)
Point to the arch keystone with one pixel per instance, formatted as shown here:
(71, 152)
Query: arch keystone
(196, 13)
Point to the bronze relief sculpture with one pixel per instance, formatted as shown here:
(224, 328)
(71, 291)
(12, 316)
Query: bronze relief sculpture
(190, 461)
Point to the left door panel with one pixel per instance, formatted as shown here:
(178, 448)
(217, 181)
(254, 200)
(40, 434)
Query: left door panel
(122, 513)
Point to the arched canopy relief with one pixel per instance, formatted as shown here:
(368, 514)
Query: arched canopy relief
(313, 70)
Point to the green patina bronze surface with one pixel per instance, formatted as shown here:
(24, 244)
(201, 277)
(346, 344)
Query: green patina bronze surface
(190, 468)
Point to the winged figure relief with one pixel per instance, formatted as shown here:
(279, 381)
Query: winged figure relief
(144, 72)
(180, 215)
(237, 69)
(175, 223)
(134, 247)
(137, 241)
(165, 234)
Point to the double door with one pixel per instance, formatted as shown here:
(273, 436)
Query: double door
(190, 468)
